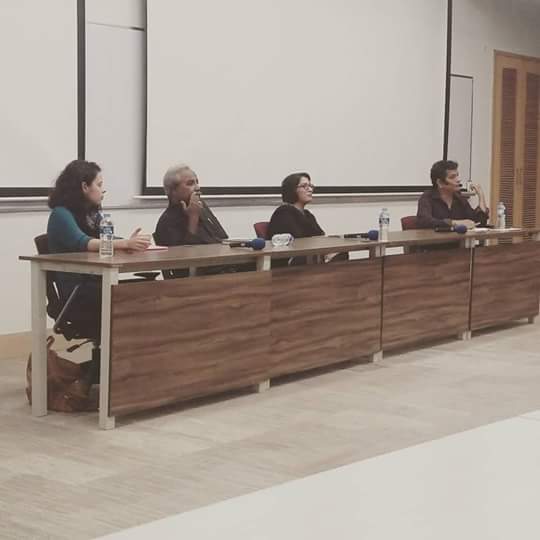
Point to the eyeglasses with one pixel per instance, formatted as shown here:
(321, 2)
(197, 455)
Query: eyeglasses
(306, 186)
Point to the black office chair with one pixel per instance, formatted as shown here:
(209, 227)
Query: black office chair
(71, 325)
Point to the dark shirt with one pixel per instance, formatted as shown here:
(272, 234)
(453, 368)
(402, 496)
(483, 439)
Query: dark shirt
(289, 219)
(434, 212)
(172, 228)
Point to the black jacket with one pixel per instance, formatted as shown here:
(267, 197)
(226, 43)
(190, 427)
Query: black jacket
(289, 219)
(172, 228)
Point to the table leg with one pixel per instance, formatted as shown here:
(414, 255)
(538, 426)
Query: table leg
(263, 386)
(264, 263)
(377, 252)
(39, 337)
(110, 278)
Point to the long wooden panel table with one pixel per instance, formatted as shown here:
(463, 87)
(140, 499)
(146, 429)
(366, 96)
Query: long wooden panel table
(173, 340)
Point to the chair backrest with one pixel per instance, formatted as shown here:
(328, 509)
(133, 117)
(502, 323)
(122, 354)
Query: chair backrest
(42, 244)
(409, 222)
(54, 305)
(261, 229)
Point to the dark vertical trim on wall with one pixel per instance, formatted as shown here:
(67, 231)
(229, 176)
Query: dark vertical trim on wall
(145, 98)
(448, 77)
(81, 79)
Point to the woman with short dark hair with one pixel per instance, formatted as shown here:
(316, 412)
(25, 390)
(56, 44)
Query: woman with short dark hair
(292, 217)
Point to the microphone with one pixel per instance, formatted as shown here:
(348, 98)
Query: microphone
(256, 244)
(373, 234)
(460, 229)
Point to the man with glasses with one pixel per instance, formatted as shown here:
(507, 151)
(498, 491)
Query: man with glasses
(444, 206)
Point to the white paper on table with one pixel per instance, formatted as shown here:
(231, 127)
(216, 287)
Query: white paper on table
(486, 229)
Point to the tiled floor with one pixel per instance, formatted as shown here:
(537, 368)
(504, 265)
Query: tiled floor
(482, 484)
(62, 478)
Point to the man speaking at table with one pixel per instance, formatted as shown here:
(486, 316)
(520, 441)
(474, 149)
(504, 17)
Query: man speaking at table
(187, 219)
(444, 206)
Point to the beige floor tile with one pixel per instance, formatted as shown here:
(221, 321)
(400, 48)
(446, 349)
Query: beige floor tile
(63, 478)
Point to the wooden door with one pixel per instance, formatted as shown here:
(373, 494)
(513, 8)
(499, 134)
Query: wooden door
(515, 165)
(530, 171)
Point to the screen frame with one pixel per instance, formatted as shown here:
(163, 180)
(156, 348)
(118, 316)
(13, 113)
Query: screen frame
(233, 191)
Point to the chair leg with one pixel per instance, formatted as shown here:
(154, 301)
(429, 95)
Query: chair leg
(96, 359)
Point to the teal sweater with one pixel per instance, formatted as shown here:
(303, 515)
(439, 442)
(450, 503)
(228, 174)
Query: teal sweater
(65, 236)
(64, 233)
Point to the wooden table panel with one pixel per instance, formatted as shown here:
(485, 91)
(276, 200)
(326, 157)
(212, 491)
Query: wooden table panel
(178, 339)
(324, 314)
(506, 283)
(425, 296)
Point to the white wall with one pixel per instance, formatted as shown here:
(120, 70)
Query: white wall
(115, 94)
(115, 108)
(38, 96)
(123, 13)
(480, 28)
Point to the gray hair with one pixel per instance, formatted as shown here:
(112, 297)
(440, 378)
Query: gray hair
(173, 176)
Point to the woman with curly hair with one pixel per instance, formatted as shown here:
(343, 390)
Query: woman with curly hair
(75, 203)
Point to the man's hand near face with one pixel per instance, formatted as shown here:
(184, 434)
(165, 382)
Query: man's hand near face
(193, 210)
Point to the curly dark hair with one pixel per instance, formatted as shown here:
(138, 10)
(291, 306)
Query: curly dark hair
(289, 185)
(68, 192)
(440, 169)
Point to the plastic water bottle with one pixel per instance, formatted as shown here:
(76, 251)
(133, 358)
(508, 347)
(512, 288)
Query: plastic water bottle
(384, 224)
(106, 236)
(501, 216)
